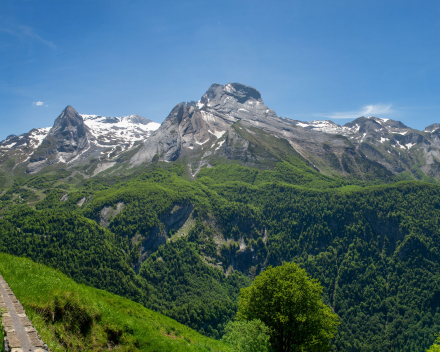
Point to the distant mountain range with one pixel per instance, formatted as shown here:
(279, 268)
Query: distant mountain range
(230, 123)
(76, 139)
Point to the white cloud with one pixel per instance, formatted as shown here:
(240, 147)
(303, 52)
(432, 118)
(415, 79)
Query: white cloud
(369, 110)
(28, 32)
(38, 103)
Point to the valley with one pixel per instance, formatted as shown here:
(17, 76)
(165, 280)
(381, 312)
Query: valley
(178, 218)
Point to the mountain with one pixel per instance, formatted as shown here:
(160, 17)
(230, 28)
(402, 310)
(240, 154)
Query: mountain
(67, 139)
(76, 139)
(15, 150)
(390, 143)
(229, 124)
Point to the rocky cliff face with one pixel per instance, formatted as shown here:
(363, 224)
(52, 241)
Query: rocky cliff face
(194, 126)
(68, 138)
(231, 122)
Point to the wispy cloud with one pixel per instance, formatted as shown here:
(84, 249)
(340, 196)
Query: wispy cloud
(38, 103)
(369, 110)
(23, 32)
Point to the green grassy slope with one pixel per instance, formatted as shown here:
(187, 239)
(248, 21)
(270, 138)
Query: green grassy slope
(73, 244)
(73, 317)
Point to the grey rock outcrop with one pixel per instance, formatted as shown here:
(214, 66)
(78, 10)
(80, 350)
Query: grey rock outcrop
(232, 121)
(193, 128)
(68, 138)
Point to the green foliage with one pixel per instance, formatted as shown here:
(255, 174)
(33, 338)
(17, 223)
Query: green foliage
(297, 174)
(290, 303)
(435, 346)
(375, 249)
(202, 234)
(73, 317)
(79, 249)
(248, 336)
(184, 288)
(73, 244)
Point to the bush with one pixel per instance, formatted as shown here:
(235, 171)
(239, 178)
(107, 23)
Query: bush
(247, 336)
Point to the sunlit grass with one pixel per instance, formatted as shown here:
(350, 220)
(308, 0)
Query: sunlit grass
(76, 317)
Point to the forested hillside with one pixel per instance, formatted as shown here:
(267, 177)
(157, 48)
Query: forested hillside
(185, 248)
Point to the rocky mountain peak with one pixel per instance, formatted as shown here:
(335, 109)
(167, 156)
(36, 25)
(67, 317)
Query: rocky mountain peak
(432, 128)
(374, 124)
(239, 92)
(191, 127)
(68, 137)
(138, 119)
(242, 92)
(70, 110)
(69, 124)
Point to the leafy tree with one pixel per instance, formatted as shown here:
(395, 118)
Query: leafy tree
(290, 303)
(247, 336)
(436, 346)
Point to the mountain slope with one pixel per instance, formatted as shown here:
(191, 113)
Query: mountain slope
(76, 317)
(390, 143)
(231, 124)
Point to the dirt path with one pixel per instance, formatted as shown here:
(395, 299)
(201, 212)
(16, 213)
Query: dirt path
(21, 336)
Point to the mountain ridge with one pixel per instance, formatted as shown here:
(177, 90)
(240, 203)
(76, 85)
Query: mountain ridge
(231, 124)
(108, 136)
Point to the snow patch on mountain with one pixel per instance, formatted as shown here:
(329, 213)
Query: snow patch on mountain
(325, 126)
(220, 145)
(119, 130)
(36, 136)
(27, 140)
(218, 134)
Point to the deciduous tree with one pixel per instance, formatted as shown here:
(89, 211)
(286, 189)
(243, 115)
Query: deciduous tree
(290, 303)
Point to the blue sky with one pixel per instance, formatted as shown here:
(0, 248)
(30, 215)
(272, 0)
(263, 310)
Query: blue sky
(309, 59)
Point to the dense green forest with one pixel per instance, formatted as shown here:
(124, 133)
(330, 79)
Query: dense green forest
(177, 273)
(185, 248)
